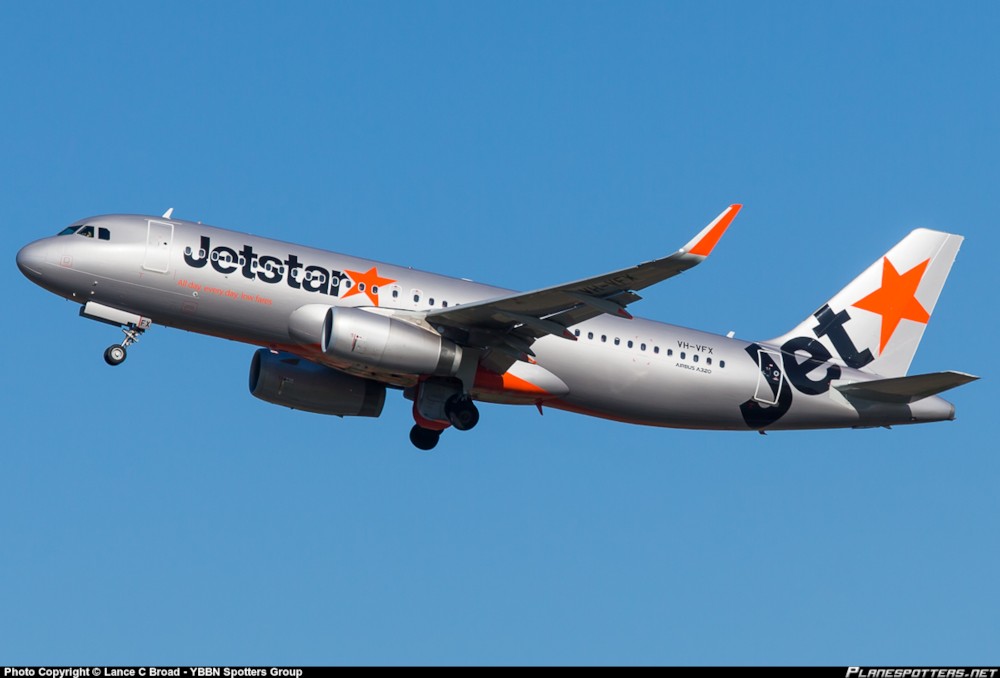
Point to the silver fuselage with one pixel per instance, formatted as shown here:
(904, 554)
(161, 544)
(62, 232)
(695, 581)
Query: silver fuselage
(242, 287)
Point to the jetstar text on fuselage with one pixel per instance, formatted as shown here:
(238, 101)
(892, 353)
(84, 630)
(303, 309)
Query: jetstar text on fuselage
(269, 269)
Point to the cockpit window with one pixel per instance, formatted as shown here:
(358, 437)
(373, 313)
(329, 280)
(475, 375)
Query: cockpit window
(88, 231)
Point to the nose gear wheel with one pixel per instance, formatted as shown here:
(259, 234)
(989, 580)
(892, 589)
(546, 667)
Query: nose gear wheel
(116, 353)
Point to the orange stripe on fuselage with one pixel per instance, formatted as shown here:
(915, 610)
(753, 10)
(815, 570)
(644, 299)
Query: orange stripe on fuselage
(507, 384)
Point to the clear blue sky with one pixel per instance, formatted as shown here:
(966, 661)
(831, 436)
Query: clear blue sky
(157, 513)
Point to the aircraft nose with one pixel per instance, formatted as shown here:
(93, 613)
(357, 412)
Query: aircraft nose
(30, 259)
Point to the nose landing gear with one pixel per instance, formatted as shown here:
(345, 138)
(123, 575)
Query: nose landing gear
(131, 324)
(116, 353)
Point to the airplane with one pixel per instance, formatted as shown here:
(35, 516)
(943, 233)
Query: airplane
(336, 332)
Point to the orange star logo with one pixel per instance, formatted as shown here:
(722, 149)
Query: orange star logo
(896, 300)
(369, 283)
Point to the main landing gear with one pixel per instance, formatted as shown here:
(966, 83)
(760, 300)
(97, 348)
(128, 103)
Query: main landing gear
(437, 405)
(116, 353)
(424, 438)
(461, 411)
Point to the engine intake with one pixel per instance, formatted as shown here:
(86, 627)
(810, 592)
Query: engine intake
(285, 379)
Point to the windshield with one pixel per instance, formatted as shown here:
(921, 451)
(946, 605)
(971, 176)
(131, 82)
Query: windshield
(87, 231)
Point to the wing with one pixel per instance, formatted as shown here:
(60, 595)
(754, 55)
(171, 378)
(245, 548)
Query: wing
(510, 324)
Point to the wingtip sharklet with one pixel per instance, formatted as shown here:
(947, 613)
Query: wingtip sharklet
(703, 243)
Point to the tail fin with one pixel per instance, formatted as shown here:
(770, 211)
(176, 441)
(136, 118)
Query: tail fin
(877, 321)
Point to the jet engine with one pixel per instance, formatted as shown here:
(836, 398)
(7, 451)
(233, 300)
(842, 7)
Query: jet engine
(375, 341)
(285, 379)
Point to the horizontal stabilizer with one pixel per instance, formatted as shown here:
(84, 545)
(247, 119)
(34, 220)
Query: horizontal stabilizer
(905, 389)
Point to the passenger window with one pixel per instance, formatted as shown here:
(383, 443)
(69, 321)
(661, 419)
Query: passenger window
(416, 298)
(576, 332)
(590, 335)
(722, 363)
(86, 232)
(431, 301)
(618, 341)
(444, 304)
(630, 343)
(395, 294)
(670, 352)
(682, 355)
(708, 360)
(642, 347)
(604, 338)
(656, 349)
(695, 357)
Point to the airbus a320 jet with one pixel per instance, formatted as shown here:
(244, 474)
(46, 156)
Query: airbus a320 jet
(336, 332)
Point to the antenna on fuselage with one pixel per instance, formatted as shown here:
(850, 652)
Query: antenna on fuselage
(168, 213)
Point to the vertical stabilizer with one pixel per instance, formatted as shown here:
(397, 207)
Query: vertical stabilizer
(876, 322)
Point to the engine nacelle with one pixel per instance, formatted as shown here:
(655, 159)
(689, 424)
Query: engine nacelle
(391, 344)
(285, 379)
(310, 325)
(375, 341)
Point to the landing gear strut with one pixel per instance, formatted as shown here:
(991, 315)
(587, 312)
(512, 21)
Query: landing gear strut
(116, 353)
